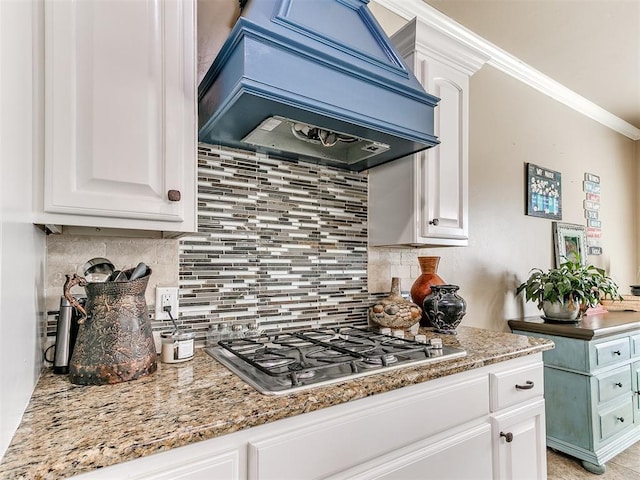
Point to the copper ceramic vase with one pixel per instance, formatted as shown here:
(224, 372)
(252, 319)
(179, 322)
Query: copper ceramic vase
(394, 311)
(421, 288)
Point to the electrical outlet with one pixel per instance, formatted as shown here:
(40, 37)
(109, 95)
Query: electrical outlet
(166, 296)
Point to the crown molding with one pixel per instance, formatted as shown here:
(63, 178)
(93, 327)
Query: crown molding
(509, 64)
(418, 36)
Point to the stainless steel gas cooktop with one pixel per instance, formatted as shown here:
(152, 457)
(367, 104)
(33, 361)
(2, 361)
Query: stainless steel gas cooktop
(290, 362)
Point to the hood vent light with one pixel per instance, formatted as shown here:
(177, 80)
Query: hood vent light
(313, 141)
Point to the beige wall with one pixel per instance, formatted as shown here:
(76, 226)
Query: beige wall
(512, 124)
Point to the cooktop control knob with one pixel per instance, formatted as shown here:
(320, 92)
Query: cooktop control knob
(436, 343)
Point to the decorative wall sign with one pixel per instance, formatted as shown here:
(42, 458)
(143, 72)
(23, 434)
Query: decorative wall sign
(591, 187)
(570, 243)
(590, 177)
(594, 232)
(544, 192)
(589, 205)
(594, 223)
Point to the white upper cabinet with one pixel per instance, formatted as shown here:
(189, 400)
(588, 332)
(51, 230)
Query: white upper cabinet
(120, 118)
(423, 199)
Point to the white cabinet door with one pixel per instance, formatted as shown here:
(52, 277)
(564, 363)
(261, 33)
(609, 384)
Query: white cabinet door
(120, 114)
(519, 445)
(422, 200)
(438, 458)
(443, 169)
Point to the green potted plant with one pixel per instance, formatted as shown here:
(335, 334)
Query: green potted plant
(564, 293)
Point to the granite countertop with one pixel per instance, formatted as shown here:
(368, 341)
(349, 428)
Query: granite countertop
(70, 429)
(588, 327)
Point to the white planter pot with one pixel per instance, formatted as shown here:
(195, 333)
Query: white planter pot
(561, 311)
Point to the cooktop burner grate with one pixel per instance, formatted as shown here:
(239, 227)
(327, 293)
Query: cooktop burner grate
(283, 363)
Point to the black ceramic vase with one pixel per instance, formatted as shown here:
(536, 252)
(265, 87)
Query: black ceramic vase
(445, 308)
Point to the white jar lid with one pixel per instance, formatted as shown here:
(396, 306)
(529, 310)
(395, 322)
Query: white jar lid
(179, 335)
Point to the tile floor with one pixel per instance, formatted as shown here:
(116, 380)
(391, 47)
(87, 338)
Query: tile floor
(625, 466)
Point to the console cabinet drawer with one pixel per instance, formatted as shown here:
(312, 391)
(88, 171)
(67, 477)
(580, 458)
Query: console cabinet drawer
(608, 353)
(613, 384)
(615, 419)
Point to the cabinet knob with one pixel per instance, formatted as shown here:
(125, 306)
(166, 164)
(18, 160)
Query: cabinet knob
(507, 436)
(617, 352)
(528, 385)
(434, 222)
(618, 384)
(620, 419)
(174, 195)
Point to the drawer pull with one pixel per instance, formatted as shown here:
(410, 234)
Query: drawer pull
(618, 384)
(508, 436)
(617, 352)
(620, 419)
(528, 386)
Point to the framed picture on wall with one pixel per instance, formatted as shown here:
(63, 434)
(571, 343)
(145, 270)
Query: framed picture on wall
(570, 242)
(544, 192)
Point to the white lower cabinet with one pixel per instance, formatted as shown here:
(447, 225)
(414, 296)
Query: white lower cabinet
(447, 428)
(518, 422)
(519, 449)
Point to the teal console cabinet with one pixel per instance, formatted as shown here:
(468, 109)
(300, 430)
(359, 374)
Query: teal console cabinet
(591, 384)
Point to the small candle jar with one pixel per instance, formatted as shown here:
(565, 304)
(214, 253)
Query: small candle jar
(177, 346)
(420, 338)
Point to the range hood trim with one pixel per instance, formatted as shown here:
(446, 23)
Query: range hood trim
(367, 18)
(248, 86)
(246, 29)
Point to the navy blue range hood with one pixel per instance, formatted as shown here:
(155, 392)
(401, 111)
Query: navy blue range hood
(314, 80)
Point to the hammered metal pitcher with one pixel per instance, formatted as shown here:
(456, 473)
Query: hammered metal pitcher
(114, 342)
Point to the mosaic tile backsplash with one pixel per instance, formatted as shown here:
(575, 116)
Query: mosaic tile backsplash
(280, 243)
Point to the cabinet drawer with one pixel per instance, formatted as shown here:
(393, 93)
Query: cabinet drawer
(615, 420)
(607, 353)
(515, 386)
(635, 346)
(613, 384)
(348, 439)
